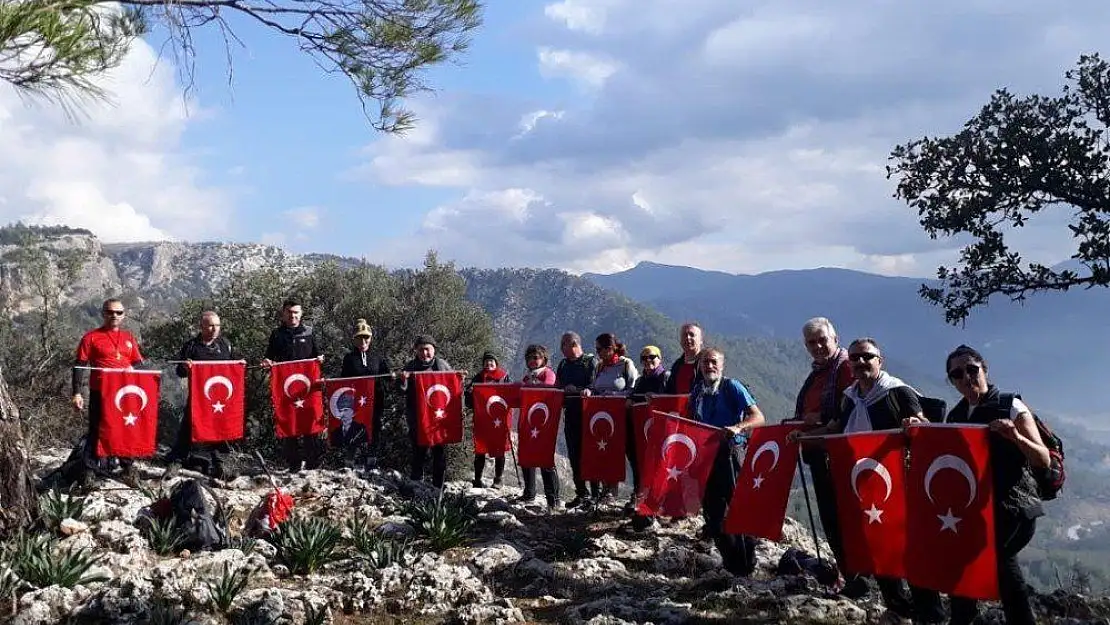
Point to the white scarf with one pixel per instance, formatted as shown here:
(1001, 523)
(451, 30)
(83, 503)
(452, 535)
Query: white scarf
(859, 420)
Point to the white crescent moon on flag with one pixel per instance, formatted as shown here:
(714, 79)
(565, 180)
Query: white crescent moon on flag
(498, 400)
(221, 381)
(603, 416)
(957, 464)
(870, 464)
(770, 446)
(680, 439)
(333, 401)
(296, 377)
(437, 388)
(647, 426)
(131, 389)
(542, 407)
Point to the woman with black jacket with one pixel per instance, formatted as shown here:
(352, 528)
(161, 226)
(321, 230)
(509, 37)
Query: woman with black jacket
(1015, 449)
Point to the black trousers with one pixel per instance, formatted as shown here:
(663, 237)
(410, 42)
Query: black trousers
(1012, 534)
(480, 467)
(572, 430)
(183, 447)
(550, 483)
(630, 441)
(308, 449)
(737, 551)
(825, 494)
(908, 601)
(420, 456)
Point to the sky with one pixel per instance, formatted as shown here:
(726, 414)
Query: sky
(586, 135)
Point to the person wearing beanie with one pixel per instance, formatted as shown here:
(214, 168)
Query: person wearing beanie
(424, 359)
(489, 372)
(360, 362)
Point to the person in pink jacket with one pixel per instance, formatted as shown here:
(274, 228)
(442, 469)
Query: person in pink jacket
(538, 373)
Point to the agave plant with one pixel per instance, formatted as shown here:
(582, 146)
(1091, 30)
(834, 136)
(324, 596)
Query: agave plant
(378, 550)
(444, 521)
(37, 561)
(246, 544)
(165, 612)
(315, 615)
(164, 536)
(304, 545)
(230, 585)
(55, 507)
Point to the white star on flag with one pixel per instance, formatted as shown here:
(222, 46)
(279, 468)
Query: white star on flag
(439, 413)
(497, 423)
(362, 400)
(217, 407)
(874, 515)
(948, 521)
(757, 481)
(130, 419)
(535, 433)
(673, 473)
(601, 445)
(299, 403)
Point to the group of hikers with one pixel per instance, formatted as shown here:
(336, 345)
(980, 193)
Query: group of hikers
(846, 391)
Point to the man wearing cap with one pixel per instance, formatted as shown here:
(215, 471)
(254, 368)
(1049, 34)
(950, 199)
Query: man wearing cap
(360, 362)
(490, 373)
(652, 381)
(424, 359)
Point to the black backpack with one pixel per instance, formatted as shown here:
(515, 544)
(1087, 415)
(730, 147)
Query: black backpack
(202, 526)
(1049, 479)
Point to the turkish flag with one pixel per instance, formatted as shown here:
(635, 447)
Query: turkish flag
(869, 477)
(950, 543)
(216, 400)
(686, 453)
(758, 505)
(439, 397)
(298, 403)
(673, 404)
(538, 426)
(603, 438)
(648, 436)
(493, 407)
(128, 413)
(350, 400)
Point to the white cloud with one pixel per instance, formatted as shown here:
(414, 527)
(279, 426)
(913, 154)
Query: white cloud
(589, 70)
(118, 169)
(305, 217)
(735, 136)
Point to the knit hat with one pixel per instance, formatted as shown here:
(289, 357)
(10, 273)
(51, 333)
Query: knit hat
(423, 339)
(490, 356)
(650, 350)
(363, 329)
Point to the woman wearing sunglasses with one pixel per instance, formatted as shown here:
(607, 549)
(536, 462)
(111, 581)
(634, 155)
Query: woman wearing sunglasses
(1015, 447)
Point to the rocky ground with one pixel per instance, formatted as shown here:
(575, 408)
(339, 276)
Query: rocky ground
(519, 564)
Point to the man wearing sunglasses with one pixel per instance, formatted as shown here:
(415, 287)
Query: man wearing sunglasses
(107, 347)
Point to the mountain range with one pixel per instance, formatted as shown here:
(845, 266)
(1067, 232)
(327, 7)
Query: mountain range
(1052, 348)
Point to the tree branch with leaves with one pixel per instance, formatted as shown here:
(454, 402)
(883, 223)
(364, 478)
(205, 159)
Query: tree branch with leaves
(1018, 157)
(381, 46)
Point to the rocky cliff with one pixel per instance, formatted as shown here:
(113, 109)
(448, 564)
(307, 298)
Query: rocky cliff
(518, 563)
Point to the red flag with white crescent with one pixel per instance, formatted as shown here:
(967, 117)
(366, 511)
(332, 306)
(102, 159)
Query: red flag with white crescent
(758, 505)
(439, 396)
(128, 413)
(869, 477)
(493, 407)
(686, 454)
(538, 426)
(950, 542)
(649, 436)
(604, 423)
(298, 402)
(349, 401)
(216, 400)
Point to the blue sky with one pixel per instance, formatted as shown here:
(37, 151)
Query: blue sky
(582, 134)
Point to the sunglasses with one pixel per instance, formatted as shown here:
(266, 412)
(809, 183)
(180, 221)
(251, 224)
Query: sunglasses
(115, 313)
(862, 356)
(958, 373)
(650, 358)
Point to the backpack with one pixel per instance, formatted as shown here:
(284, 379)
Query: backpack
(1049, 479)
(203, 526)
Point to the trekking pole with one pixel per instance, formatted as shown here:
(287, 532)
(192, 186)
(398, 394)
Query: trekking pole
(266, 470)
(809, 509)
(516, 463)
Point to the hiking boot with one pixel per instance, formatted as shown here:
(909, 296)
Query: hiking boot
(855, 588)
(641, 523)
(497, 482)
(526, 499)
(478, 484)
(578, 502)
(554, 505)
